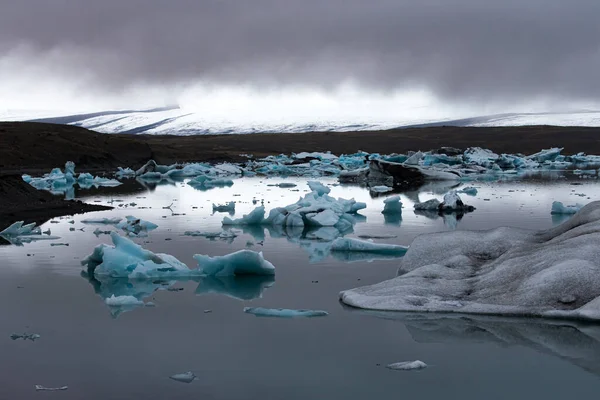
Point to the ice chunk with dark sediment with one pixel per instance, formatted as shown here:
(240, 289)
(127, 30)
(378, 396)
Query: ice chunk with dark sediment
(284, 312)
(136, 226)
(25, 336)
(243, 262)
(407, 365)
(481, 272)
(560, 208)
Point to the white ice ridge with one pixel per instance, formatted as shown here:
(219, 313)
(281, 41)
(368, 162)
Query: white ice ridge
(284, 312)
(505, 271)
(314, 209)
(560, 208)
(127, 259)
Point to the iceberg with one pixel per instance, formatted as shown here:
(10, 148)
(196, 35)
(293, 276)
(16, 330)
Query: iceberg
(392, 205)
(125, 173)
(451, 203)
(255, 217)
(559, 208)
(407, 365)
(125, 259)
(228, 207)
(552, 273)
(366, 246)
(284, 313)
(243, 262)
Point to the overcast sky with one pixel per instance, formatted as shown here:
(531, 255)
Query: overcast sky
(149, 51)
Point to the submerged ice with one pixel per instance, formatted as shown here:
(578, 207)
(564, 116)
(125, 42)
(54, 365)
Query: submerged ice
(551, 273)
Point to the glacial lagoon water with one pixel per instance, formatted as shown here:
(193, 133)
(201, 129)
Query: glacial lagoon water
(108, 353)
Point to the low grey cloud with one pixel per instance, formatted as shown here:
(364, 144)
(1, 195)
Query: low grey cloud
(463, 50)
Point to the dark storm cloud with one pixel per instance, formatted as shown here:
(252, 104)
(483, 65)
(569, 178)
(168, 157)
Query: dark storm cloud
(460, 49)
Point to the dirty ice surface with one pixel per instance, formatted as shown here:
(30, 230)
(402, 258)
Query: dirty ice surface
(87, 341)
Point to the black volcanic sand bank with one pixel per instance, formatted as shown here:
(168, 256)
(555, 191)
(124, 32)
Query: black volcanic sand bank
(28, 147)
(20, 201)
(33, 147)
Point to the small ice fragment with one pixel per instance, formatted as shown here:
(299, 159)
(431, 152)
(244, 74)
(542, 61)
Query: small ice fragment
(25, 336)
(407, 365)
(185, 377)
(207, 311)
(98, 232)
(49, 389)
(105, 221)
(469, 191)
(380, 189)
(59, 244)
(284, 312)
(118, 301)
(228, 207)
(429, 205)
(47, 232)
(377, 236)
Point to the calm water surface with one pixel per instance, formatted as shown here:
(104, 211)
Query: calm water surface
(129, 354)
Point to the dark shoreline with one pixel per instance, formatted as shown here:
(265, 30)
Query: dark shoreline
(29, 147)
(38, 147)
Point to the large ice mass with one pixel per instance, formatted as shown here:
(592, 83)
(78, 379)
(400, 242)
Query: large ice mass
(506, 271)
(19, 233)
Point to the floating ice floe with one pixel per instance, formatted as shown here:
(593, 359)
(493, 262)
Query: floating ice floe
(185, 377)
(243, 262)
(407, 365)
(223, 235)
(136, 227)
(553, 273)
(119, 301)
(560, 208)
(284, 313)
(367, 246)
(18, 233)
(25, 336)
(380, 189)
(103, 221)
(41, 388)
(392, 205)
(228, 207)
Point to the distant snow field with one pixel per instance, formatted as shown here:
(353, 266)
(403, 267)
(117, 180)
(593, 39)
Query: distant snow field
(176, 121)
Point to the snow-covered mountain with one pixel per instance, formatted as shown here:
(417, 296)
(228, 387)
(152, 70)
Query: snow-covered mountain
(176, 121)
